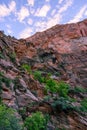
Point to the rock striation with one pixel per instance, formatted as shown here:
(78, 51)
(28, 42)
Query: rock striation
(63, 45)
(60, 52)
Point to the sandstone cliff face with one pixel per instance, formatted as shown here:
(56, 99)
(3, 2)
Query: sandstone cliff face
(68, 44)
(60, 51)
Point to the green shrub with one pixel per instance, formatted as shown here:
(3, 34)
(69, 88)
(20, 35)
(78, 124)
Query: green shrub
(51, 86)
(27, 68)
(38, 76)
(84, 105)
(60, 128)
(47, 98)
(5, 80)
(78, 90)
(22, 112)
(12, 56)
(63, 89)
(36, 122)
(1, 55)
(8, 120)
(62, 104)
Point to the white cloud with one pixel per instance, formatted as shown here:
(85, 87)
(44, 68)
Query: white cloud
(43, 25)
(57, 14)
(26, 33)
(55, 19)
(85, 13)
(5, 11)
(23, 13)
(60, 1)
(43, 11)
(30, 21)
(32, 10)
(12, 6)
(8, 26)
(30, 2)
(9, 30)
(79, 15)
(47, 0)
(65, 6)
(53, 12)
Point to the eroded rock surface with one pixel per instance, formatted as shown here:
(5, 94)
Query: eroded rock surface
(60, 51)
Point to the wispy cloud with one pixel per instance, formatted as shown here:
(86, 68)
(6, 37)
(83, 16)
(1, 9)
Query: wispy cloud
(53, 21)
(7, 10)
(60, 1)
(30, 2)
(30, 21)
(65, 6)
(79, 15)
(47, 0)
(41, 25)
(9, 29)
(26, 33)
(56, 17)
(12, 6)
(23, 13)
(53, 11)
(85, 13)
(42, 12)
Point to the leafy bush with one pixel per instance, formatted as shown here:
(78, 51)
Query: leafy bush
(38, 76)
(84, 105)
(63, 89)
(27, 68)
(62, 104)
(60, 128)
(1, 55)
(12, 56)
(51, 86)
(36, 122)
(4, 79)
(22, 112)
(8, 120)
(78, 90)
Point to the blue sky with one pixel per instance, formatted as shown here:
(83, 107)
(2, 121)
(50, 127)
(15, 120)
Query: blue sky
(23, 18)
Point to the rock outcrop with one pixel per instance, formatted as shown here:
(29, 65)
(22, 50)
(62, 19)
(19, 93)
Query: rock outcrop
(61, 45)
(60, 51)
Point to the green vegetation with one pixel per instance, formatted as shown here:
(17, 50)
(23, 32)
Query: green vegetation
(27, 68)
(78, 89)
(22, 112)
(62, 104)
(8, 120)
(1, 55)
(84, 105)
(63, 89)
(38, 76)
(60, 129)
(51, 86)
(12, 56)
(36, 122)
(42, 79)
(5, 80)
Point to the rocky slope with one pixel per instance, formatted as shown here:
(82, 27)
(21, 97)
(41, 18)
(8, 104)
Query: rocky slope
(59, 56)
